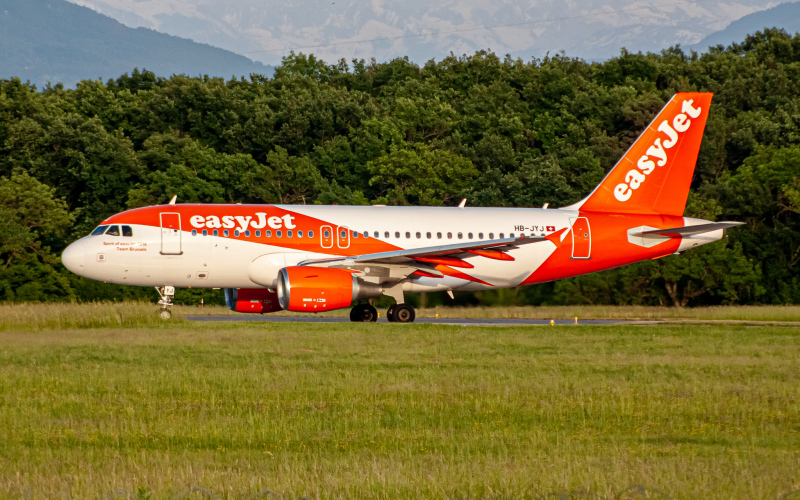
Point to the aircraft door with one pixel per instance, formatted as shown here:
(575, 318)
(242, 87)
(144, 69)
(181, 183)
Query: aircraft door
(326, 236)
(581, 238)
(342, 237)
(171, 234)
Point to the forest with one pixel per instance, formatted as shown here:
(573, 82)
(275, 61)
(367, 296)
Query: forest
(495, 130)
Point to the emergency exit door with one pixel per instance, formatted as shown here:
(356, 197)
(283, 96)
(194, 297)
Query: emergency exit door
(326, 236)
(343, 237)
(170, 234)
(581, 238)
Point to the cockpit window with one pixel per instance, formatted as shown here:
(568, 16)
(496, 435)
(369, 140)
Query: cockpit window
(127, 231)
(112, 231)
(99, 230)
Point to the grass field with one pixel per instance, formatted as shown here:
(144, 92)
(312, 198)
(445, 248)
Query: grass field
(34, 317)
(102, 406)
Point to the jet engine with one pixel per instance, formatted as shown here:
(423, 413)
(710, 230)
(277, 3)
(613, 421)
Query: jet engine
(317, 289)
(252, 300)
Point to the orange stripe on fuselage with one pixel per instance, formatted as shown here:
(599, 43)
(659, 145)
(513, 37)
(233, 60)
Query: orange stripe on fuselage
(150, 216)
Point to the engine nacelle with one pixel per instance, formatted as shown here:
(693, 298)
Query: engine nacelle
(317, 289)
(252, 300)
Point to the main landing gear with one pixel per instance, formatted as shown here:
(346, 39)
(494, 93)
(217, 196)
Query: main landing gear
(398, 313)
(364, 313)
(166, 293)
(401, 313)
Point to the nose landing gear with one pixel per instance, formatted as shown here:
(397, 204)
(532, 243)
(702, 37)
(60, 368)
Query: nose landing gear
(166, 293)
(401, 313)
(363, 313)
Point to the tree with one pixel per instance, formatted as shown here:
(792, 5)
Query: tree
(31, 214)
(421, 176)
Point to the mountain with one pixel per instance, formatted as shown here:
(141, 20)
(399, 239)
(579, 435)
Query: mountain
(423, 30)
(785, 15)
(58, 41)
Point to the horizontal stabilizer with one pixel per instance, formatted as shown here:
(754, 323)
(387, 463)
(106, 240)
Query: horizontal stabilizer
(674, 232)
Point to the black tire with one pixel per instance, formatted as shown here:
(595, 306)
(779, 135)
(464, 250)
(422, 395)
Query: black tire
(370, 314)
(404, 313)
(363, 313)
(390, 313)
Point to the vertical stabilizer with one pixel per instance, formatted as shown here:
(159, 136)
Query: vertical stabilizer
(654, 175)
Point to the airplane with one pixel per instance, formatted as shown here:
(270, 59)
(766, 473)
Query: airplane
(313, 258)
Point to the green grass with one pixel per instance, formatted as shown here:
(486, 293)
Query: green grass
(37, 317)
(721, 313)
(399, 411)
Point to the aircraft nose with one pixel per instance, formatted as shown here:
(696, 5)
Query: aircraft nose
(74, 257)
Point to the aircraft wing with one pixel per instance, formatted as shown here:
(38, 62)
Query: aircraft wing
(449, 255)
(690, 230)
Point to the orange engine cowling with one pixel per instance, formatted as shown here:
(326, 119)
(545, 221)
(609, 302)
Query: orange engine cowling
(317, 289)
(252, 300)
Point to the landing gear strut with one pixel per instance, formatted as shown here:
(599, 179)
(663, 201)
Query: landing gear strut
(166, 293)
(364, 313)
(401, 313)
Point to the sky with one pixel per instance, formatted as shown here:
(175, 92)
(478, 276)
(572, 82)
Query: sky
(267, 30)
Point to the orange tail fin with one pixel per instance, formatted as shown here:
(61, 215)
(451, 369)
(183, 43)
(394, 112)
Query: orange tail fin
(654, 175)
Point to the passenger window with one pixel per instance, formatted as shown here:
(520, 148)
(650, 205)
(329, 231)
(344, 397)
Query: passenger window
(449, 236)
(460, 236)
(511, 235)
(247, 233)
(439, 235)
(127, 231)
(113, 231)
(501, 236)
(480, 236)
(299, 234)
(99, 230)
(491, 236)
(428, 235)
(343, 234)
(397, 234)
(225, 233)
(366, 234)
(326, 234)
(236, 232)
(279, 234)
(258, 233)
(311, 234)
(268, 234)
(469, 236)
(386, 234)
(288, 234)
(194, 232)
(419, 235)
(355, 234)
(205, 232)
(216, 232)
(376, 234)
(408, 235)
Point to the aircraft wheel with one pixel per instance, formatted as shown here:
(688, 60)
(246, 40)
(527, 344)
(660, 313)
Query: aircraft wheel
(404, 313)
(371, 312)
(363, 313)
(164, 314)
(390, 313)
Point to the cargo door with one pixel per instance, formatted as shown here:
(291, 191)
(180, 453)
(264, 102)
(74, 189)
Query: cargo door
(171, 234)
(581, 238)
